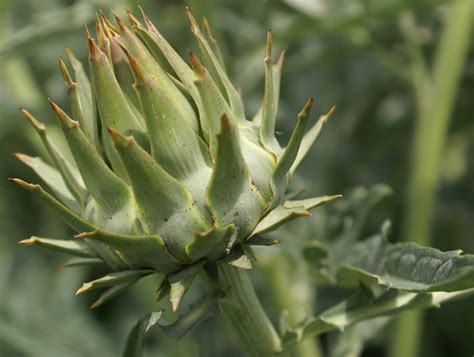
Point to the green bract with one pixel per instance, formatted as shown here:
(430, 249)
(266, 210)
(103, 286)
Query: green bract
(168, 173)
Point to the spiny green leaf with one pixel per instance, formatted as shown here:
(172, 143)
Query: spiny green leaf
(114, 109)
(52, 178)
(68, 216)
(71, 247)
(110, 192)
(286, 160)
(132, 44)
(111, 292)
(137, 251)
(74, 262)
(165, 206)
(180, 283)
(214, 66)
(288, 211)
(276, 74)
(360, 307)
(404, 266)
(175, 145)
(310, 139)
(68, 170)
(115, 278)
(214, 104)
(269, 109)
(239, 200)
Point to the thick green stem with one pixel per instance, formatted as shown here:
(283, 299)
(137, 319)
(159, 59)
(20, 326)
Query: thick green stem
(244, 313)
(435, 100)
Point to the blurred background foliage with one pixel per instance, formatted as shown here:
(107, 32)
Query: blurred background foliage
(355, 54)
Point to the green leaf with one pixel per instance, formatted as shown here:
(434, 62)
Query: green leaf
(132, 44)
(276, 75)
(238, 258)
(112, 279)
(110, 192)
(404, 266)
(218, 71)
(135, 339)
(238, 201)
(68, 216)
(112, 292)
(52, 178)
(114, 108)
(197, 313)
(288, 211)
(310, 139)
(269, 106)
(74, 262)
(360, 307)
(68, 170)
(214, 104)
(147, 251)
(165, 206)
(174, 143)
(78, 249)
(288, 157)
(180, 283)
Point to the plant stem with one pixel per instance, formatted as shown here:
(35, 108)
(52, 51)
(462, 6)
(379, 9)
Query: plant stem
(244, 313)
(435, 99)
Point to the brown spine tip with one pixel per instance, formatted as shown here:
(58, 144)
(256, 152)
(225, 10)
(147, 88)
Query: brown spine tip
(192, 20)
(65, 73)
(86, 29)
(93, 48)
(136, 68)
(32, 120)
(303, 114)
(118, 138)
(207, 29)
(64, 119)
(23, 184)
(23, 157)
(119, 21)
(197, 65)
(268, 49)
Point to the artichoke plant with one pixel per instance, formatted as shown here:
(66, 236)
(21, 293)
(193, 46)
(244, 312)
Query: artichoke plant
(168, 175)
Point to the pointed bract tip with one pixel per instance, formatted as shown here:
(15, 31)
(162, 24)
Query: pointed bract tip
(64, 119)
(281, 59)
(136, 67)
(23, 157)
(29, 241)
(119, 21)
(86, 29)
(268, 49)
(94, 50)
(96, 304)
(207, 29)
(133, 21)
(303, 114)
(85, 287)
(64, 72)
(118, 138)
(225, 122)
(192, 20)
(329, 114)
(32, 120)
(198, 68)
(23, 184)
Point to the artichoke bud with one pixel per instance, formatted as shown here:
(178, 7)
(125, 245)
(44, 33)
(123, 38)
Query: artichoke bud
(168, 173)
